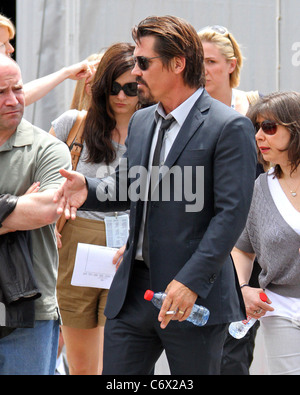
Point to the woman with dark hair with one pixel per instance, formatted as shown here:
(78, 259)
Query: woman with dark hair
(114, 100)
(272, 232)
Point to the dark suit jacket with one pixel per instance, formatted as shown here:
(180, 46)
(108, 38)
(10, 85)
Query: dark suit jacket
(191, 247)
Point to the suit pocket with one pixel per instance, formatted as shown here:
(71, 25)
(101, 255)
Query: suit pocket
(195, 152)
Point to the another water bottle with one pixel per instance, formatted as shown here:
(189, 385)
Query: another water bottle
(239, 329)
(199, 315)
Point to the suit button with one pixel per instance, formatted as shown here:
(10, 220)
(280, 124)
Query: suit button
(212, 278)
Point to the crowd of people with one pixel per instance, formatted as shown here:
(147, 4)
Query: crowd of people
(169, 105)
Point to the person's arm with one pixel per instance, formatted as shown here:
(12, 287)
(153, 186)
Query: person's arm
(92, 194)
(37, 89)
(7, 205)
(32, 211)
(235, 159)
(243, 262)
(34, 188)
(244, 265)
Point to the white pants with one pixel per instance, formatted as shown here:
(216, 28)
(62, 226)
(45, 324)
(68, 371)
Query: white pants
(282, 342)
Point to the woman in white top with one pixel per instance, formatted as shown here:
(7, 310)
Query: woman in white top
(272, 232)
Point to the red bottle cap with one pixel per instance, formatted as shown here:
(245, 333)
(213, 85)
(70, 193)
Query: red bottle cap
(149, 295)
(263, 297)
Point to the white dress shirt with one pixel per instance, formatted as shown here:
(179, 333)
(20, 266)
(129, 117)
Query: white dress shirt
(179, 114)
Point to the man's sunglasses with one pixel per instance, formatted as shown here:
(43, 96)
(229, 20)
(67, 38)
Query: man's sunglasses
(130, 89)
(144, 62)
(268, 127)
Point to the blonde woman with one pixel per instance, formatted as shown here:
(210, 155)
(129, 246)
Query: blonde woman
(223, 63)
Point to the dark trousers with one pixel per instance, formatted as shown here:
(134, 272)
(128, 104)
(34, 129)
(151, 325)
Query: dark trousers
(134, 341)
(238, 354)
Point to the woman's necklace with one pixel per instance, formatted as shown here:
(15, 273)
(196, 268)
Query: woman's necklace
(293, 193)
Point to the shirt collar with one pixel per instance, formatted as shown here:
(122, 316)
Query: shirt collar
(22, 137)
(181, 112)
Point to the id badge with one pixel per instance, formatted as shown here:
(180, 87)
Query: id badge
(117, 230)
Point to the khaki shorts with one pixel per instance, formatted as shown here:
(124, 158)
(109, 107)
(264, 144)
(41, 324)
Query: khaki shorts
(80, 307)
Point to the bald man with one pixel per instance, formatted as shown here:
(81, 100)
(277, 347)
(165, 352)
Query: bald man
(29, 155)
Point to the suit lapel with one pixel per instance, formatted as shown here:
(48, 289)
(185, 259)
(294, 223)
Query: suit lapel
(191, 125)
(147, 137)
(146, 129)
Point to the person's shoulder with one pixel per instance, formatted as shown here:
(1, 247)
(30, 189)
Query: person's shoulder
(143, 116)
(42, 138)
(225, 113)
(262, 180)
(65, 121)
(145, 112)
(67, 115)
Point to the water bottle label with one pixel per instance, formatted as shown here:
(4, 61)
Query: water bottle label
(245, 322)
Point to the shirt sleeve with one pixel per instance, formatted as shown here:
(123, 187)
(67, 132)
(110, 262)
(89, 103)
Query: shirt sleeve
(52, 157)
(244, 242)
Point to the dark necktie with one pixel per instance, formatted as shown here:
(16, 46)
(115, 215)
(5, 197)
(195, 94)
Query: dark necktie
(165, 125)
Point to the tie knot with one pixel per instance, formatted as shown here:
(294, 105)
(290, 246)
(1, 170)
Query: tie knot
(166, 123)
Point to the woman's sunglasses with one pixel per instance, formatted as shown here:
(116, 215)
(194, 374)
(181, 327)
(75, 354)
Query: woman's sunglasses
(130, 89)
(144, 62)
(268, 127)
(219, 30)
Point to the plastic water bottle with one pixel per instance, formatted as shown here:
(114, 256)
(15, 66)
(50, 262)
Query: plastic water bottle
(199, 315)
(239, 329)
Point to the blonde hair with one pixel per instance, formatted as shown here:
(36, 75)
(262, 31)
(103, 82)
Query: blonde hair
(228, 47)
(81, 100)
(5, 22)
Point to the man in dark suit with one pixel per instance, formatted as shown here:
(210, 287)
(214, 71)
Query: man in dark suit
(181, 237)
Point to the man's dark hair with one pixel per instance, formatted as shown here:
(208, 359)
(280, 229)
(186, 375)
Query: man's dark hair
(175, 37)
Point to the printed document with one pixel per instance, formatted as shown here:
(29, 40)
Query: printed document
(93, 266)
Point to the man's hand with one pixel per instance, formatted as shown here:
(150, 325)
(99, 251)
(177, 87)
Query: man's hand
(179, 299)
(71, 195)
